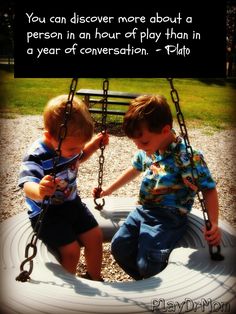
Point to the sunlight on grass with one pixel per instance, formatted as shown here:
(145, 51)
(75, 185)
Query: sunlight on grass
(204, 102)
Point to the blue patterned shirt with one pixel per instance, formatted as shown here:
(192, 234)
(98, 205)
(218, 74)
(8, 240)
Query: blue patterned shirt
(167, 180)
(37, 163)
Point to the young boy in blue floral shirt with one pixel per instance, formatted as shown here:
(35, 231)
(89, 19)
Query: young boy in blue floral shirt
(143, 243)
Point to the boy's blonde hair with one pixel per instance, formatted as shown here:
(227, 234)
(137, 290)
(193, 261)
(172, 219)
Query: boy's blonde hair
(152, 111)
(80, 122)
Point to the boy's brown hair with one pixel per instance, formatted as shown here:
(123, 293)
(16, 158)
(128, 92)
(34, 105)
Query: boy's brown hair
(80, 122)
(151, 111)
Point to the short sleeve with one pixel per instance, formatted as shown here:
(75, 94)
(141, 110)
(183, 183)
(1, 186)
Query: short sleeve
(138, 161)
(202, 172)
(30, 170)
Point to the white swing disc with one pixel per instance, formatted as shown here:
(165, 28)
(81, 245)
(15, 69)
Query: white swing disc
(192, 282)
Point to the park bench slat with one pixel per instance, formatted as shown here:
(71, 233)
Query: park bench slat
(94, 101)
(113, 98)
(97, 92)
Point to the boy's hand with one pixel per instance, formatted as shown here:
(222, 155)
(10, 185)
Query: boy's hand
(212, 236)
(98, 193)
(104, 137)
(47, 186)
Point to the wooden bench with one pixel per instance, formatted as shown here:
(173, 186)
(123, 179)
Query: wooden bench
(94, 96)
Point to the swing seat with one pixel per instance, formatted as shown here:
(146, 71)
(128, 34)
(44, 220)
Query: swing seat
(191, 282)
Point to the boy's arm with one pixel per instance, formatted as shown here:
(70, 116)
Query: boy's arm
(210, 196)
(94, 145)
(129, 175)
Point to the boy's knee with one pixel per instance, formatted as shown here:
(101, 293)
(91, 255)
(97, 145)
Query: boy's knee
(97, 234)
(114, 247)
(70, 251)
(152, 263)
(91, 238)
(118, 249)
(72, 255)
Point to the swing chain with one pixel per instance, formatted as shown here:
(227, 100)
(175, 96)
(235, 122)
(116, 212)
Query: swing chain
(63, 127)
(99, 206)
(194, 171)
(25, 274)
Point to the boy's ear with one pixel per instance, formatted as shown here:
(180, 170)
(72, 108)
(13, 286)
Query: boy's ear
(47, 135)
(166, 129)
(49, 139)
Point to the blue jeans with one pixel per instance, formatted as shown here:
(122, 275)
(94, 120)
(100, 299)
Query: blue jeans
(143, 243)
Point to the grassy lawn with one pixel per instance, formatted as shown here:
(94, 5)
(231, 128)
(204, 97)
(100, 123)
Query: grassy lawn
(208, 102)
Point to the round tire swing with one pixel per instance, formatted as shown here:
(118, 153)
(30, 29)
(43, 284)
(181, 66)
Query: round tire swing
(193, 281)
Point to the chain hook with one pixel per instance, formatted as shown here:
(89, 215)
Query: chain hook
(99, 206)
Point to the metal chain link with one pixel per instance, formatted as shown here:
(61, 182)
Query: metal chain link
(25, 274)
(215, 255)
(63, 127)
(99, 206)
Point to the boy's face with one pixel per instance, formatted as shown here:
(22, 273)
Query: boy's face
(151, 142)
(71, 145)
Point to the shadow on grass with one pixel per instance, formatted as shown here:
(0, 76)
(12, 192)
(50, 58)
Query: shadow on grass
(219, 81)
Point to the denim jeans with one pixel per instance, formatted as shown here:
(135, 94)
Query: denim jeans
(143, 243)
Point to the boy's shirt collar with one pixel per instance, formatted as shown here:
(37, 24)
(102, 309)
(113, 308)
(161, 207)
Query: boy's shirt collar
(46, 147)
(170, 149)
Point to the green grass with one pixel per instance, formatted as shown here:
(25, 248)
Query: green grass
(204, 102)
